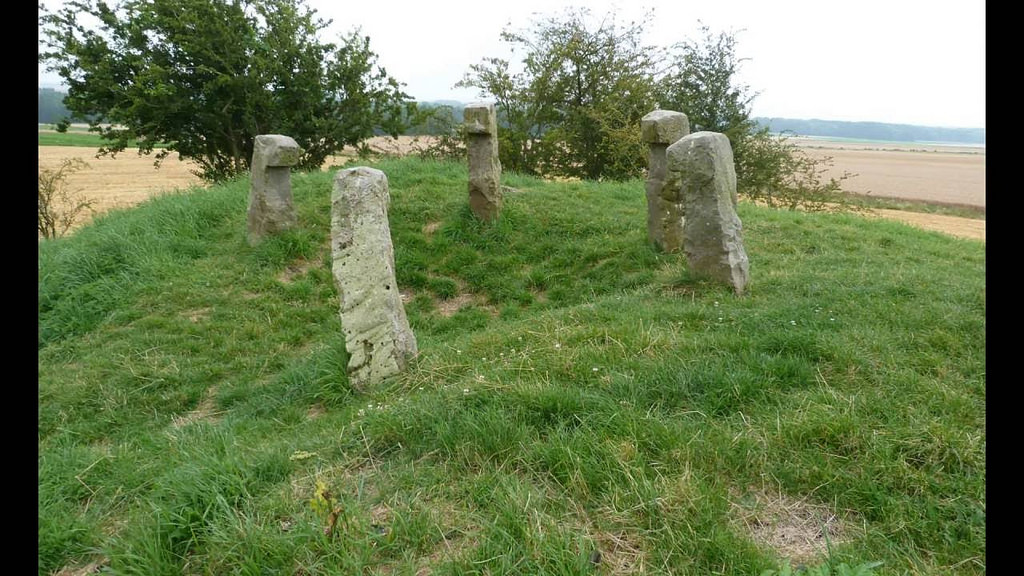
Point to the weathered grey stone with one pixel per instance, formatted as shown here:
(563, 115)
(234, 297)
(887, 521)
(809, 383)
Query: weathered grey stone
(712, 231)
(664, 206)
(480, 118)
(484, 167)
(377, 334)
(270, 194)
(664, 127)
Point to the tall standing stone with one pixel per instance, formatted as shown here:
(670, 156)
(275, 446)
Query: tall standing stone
(270, 195)
(377, 334)
(481, 125)
(659, 129)
(712, 232)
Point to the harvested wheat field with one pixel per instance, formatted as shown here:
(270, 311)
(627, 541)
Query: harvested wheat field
(119, 182)
(953, 177)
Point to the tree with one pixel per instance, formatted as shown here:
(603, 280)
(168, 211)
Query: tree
(701, 82)
(575, 109)
(206, 77)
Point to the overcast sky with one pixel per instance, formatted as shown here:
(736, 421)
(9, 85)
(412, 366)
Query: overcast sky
(900, 61)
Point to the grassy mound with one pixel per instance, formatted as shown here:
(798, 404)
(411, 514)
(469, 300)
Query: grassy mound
(580, 405)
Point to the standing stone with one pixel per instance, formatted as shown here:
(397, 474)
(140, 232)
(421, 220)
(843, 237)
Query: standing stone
(659, 129)
(377, 334)
(712, 233)
(270, 195)
(484, 168)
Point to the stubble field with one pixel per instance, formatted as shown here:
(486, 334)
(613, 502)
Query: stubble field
(937, 174)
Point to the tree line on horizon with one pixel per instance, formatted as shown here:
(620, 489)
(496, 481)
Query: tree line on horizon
(53, 111)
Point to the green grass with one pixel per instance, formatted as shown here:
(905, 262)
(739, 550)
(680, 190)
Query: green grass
(78, 138)
(592, 402)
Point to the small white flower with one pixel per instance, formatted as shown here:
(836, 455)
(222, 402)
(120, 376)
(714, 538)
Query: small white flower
(716, 302)
(557, 345)
(832, 319)
(594, 369)
(719, 318)
(465, 390)
(793, 322)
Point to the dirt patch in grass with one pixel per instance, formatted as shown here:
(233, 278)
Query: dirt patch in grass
(795, 528)
(458, 537)
(617, 553)
(430, 228)
(295, 270)
(206, 411)
(449, 307)
(197, 315)
(93, 567)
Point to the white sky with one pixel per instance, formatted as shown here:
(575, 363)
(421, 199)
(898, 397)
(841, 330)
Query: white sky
(899, 61)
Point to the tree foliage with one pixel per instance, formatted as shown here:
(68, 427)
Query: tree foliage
(575, 108)
(701, 82)
(779, 174)
(208, 76)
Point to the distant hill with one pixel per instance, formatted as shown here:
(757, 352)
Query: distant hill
(874, 130)
(52, 110)
(51, 106)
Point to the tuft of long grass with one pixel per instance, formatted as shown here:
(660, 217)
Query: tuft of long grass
(580, 404)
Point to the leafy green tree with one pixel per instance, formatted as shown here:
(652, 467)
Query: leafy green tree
(207, 76)
(701, 82)
(575, 108)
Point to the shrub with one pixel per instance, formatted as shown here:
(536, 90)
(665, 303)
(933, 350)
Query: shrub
(59, 206)
(772, 170)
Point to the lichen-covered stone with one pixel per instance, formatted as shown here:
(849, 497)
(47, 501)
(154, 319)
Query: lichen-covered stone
(480, 118)
(377, 334)
(270, 194)
(484, 167)
(664, 127)
(712, 231)
(278, 150)
(664, 205)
